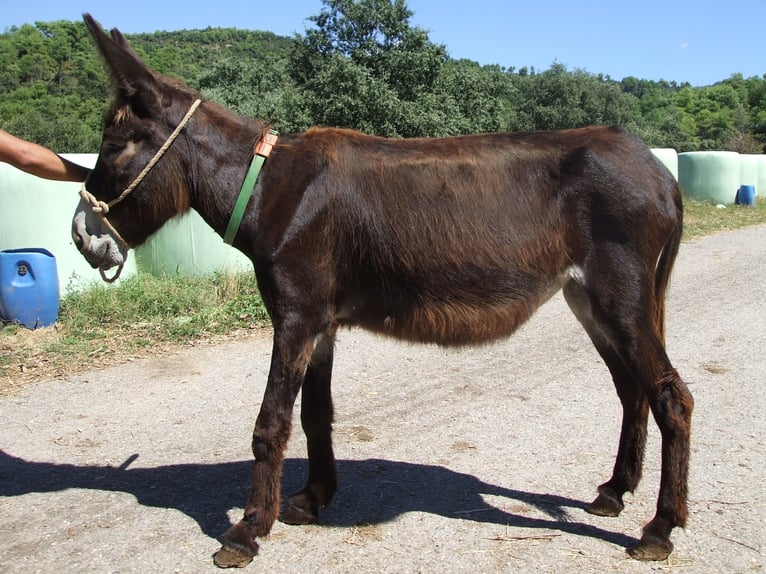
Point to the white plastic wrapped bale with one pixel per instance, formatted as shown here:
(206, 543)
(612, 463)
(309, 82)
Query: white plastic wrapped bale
(754, 172)
(748, 169)
(669, 157)
(712, 176)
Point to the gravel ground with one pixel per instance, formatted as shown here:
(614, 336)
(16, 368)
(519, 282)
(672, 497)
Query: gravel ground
(478, 460)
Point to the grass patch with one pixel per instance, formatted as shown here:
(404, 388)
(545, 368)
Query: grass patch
(143, 314)
(165, 309)
(702, 218)
(103, 324)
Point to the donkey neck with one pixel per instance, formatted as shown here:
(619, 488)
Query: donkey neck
(224, 152)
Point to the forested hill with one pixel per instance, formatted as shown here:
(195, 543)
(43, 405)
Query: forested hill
(55, 88)
(391, 80)
(189, 53)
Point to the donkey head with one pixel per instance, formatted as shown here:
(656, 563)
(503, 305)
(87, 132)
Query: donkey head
(147, 110)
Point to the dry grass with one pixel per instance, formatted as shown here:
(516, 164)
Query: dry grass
(102, 326)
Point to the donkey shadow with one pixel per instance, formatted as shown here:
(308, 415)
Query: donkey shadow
(372, 491)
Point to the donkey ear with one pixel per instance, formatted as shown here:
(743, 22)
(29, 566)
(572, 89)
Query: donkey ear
(131, 78)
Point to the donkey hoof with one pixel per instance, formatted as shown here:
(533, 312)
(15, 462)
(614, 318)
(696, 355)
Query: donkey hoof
(299, 511)
(605, 505)
(651, 548)
(648, 552)
(228, 557)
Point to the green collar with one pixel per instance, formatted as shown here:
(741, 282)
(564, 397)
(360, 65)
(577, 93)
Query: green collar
(260, 153)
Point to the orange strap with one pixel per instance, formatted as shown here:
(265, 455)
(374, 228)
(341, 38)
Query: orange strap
(264, 145)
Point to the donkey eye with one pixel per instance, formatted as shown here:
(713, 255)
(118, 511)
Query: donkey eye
(112, 148)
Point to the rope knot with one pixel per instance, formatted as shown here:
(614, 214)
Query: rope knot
(100, 207)
(96, 205)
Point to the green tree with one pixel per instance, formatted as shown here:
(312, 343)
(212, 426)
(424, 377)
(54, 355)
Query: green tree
(257, 88)
(474, 98)
(663, 122)
(364, 66)
(559, 99)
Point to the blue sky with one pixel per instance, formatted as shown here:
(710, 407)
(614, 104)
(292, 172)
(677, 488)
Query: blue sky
(696, 41)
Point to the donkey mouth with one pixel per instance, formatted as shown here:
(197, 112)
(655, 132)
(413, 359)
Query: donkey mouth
(100, 251)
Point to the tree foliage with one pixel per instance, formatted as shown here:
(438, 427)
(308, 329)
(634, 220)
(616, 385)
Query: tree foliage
(362, 64)
(560, 99)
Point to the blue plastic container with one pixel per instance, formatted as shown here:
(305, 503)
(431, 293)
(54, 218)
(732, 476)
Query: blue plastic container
(746, 195)
(29, 287)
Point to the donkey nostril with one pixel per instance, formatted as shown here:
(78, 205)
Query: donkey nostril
(78, 241)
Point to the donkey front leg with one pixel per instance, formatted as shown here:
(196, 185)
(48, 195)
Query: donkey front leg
(316, 419)
(289, 360)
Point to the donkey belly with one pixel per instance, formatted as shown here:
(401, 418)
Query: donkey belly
(453, 317)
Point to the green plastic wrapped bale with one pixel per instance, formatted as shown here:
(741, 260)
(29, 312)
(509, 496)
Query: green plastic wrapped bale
(760, 186)
(754, 172)
(748, 169)
(712, 176)
(669, 157)
(189, 246)
(37, 213)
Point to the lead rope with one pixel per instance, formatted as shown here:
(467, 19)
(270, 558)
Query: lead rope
(101, 208)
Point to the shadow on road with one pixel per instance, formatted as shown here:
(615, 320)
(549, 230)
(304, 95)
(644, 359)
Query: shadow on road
(372, 491)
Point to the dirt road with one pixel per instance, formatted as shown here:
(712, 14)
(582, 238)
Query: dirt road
(478, 460)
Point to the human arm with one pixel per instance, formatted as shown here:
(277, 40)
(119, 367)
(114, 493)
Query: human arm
(38, 160)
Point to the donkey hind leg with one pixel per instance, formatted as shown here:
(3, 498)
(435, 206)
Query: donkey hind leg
(630, 453)
(316, 420)
(635, 340)
(293, 347)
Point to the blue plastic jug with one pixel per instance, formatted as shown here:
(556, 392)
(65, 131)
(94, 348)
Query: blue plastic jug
(29, 287)
(746, 195)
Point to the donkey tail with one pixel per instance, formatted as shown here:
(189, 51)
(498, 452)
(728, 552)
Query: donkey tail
(665, 266)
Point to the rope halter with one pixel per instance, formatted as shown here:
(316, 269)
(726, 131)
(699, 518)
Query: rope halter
(101, 208)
